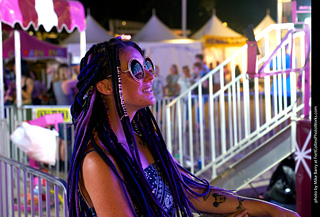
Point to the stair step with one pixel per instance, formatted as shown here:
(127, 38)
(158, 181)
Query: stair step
(268, 154)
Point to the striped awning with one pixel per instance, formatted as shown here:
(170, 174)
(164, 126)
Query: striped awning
(48, 13)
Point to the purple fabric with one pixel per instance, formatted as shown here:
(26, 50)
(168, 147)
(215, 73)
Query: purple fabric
(32, 48)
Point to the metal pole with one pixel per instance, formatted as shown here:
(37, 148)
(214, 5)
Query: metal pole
(17, 53)
(1, 77)
(184, 18)
(83, 43)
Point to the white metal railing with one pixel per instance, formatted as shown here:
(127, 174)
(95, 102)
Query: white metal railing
(205, 131)
(25, 191)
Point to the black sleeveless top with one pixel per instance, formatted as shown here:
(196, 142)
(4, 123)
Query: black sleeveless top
(159, 187)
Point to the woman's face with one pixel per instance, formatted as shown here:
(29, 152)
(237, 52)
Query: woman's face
(173, 70)
(136, 95)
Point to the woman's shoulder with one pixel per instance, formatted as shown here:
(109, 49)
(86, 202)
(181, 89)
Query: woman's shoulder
(93, 164)
(103, 186)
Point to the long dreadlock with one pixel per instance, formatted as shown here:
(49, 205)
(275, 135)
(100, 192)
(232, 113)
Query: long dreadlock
(89, 113)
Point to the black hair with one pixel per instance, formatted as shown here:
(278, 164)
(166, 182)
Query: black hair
(90, 114)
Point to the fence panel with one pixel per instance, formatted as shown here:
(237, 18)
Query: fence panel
(25, 191)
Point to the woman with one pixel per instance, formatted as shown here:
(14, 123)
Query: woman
(184, 82)
(120, 165)
(172, 81)
(63, 85)
(27, 83)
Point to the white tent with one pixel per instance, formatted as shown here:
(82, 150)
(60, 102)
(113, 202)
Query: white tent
(215, 27)
(95, 33)
(164, 47)
(265, 22)
(165, 53)
(154, 30)
(226, 41)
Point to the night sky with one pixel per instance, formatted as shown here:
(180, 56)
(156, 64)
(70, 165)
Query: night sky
(238, 14)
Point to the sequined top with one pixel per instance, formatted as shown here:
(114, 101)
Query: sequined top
(159, 187)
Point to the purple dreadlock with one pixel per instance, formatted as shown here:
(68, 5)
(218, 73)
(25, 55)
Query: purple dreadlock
(89, 112)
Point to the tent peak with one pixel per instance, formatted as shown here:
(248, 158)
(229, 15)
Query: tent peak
(213, 11)
(268, 12)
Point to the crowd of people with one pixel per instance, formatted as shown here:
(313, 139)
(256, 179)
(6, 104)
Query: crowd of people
(176, 83)
(57, 88)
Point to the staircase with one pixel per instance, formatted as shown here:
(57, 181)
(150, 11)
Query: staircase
(233, 135)
(267, 155)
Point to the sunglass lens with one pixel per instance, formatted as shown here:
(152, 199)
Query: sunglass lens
(149, 65)
(137, 70)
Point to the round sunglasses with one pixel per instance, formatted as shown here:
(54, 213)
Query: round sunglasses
(137, 70)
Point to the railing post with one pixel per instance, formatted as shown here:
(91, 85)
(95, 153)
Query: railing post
(222, 113)
(190, 131)
(212, 129)
(168, 123)
(306, 99)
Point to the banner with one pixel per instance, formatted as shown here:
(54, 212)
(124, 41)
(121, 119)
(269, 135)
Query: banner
(216, 41)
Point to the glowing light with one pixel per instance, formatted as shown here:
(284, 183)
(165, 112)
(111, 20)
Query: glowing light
(225, 24)
(124, 37)
(123, 23)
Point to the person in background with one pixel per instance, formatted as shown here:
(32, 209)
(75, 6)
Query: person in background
(75, 67)
(184, 82)
(9, 83)
(52, 67)
(27, 83)
(39, 90)
(157, 85)
(204, 68)
(63, 87)
(172, 79)
(216, 78)
(197, 75)
(27, 86)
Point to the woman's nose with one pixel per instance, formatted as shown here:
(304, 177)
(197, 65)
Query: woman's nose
(148, 75)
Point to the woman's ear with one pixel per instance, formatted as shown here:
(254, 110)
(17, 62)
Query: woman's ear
(105, 87)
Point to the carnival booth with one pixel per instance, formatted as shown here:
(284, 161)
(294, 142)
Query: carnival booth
(164, 47)
(95, 33)
(32, 48)
(61, 14)
(219, 41)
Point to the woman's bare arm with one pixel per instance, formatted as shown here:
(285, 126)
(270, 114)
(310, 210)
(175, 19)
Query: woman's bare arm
(219, 201)
(104, 188)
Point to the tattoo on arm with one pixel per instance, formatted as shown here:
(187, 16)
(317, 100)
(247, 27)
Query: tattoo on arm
(240, 206)
(217, 199)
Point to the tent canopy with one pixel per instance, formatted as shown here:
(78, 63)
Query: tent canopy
(154, 30)
(48, 13)
(265, 22)
(214, 27)
(94, 33)
(177, 51)
(32, 48)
